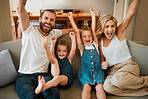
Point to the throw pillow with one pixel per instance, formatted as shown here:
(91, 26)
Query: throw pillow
(7, 70)
(140, 55)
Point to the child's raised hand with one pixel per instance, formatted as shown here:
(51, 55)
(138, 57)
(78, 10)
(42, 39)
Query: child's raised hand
(72, 35)
(104, 65)
(53, 39)
(45, 42)
(92, 11)
(70, 15)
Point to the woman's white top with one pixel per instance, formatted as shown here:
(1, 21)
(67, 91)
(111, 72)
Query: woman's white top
(116, 52)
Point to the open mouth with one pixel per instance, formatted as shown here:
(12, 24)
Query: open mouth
(109, 34)
(87, 41)
(47, 25)
(61, 55)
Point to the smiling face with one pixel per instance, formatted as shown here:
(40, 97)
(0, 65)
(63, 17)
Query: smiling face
(109, 29)
(62, 51)
(87, 37)
(47, 22)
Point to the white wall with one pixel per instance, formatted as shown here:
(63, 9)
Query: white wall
(119, 10)
(34, 6)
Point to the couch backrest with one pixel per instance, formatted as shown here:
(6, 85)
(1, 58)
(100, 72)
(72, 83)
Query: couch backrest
(139, 54)
(14, 48)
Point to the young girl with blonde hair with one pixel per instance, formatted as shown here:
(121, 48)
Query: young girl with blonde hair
(91, 72)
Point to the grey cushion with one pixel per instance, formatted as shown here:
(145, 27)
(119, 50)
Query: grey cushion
(7, 70)
(140, 55)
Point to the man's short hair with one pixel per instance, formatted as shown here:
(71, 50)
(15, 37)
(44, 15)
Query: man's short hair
(52, 11)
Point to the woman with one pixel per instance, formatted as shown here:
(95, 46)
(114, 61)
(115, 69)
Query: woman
(123, 77)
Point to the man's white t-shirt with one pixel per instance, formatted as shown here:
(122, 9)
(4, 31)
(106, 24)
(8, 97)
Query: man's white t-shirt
(33, 57)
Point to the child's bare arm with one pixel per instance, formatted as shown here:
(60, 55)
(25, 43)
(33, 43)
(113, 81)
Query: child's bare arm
(78, 38)
(93, 25)
(104, 63)
(47, 50)
(54, 67)
(54, 63)
(73, 46)
(53, 43)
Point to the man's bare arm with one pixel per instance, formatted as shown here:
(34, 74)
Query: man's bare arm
(23, 15)
(66, 31)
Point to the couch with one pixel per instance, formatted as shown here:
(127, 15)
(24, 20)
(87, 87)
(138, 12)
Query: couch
(7, 91)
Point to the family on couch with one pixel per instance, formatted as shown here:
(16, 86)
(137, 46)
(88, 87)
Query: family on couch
(103, 46)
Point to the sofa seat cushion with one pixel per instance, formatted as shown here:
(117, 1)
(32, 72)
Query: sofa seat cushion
(73, 92)
(7, 69)
(8, 92)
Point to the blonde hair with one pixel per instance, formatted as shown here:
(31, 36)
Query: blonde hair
(85, 28)
(101, 23)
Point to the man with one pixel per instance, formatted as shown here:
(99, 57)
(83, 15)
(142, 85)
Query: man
(33, 61)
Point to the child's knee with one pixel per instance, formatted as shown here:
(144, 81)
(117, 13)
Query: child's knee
(87, 87)
(57, 77)
(99, 87)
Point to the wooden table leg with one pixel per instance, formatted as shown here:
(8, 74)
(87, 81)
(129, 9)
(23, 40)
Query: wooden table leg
(15, 26)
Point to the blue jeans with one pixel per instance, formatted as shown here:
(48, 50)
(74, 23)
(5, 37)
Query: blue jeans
(27, 83)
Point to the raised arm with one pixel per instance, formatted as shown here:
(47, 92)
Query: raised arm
(66, 31)
(130, 13)
(93, 25)
(73, 46)
(54, 63)
(49, 55)
(79, 42)
(22, 14)
(53, 43)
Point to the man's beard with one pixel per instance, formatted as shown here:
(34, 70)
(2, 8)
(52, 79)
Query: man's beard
(43, 30)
